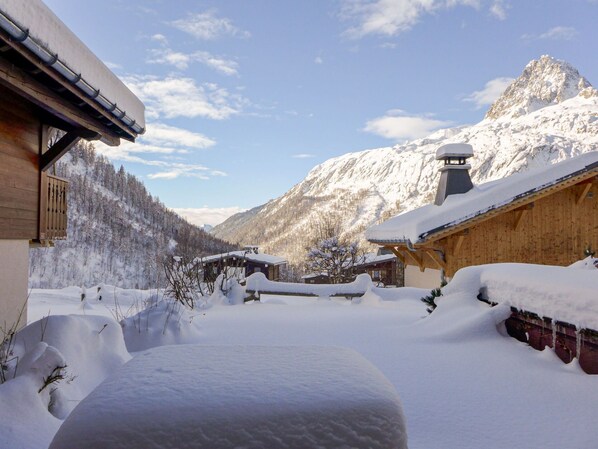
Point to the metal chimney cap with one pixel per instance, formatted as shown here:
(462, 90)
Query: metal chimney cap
(459, 150)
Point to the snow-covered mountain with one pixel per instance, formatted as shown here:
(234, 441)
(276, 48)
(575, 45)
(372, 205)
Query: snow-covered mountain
(548, 114)
(117, 232)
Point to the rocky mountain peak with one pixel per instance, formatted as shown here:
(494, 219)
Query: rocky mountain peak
(544, 82)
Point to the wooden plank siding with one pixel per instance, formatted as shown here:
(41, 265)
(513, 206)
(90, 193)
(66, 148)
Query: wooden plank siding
(554, 229)
(20, 141)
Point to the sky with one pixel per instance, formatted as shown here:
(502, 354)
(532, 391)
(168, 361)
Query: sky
(244, 97)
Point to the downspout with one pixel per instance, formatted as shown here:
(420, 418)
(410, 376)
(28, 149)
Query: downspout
(53, 61)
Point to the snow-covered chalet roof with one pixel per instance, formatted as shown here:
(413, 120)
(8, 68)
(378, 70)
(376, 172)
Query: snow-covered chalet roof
(249, 256)
(417, 225)
(39, 30)
(373, 258)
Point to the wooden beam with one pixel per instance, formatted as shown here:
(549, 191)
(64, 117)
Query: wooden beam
(436, 258)
(520, 214)
(18, 81)
(57, 150)
(418, 260)
(584, 192)
(397, 253)
(458, 244)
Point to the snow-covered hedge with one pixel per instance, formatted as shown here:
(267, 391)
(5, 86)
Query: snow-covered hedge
(258, 283)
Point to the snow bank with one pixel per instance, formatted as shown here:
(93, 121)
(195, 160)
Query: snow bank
(194, 396)
(258, 282)
(162, 322)
(91, 347)
(560, 293)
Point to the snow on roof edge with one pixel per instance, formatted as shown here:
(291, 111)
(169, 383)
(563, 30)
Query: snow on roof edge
(51, 34)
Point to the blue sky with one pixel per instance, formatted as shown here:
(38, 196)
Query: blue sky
(244, 97)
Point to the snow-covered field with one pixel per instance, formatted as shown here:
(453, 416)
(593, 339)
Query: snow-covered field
(463, 383)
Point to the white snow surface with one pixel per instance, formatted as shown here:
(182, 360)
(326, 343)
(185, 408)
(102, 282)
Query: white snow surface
(240, 396)
(47, 28)
(414, 226)
(561, 293)
(454, 150)
(463, 383)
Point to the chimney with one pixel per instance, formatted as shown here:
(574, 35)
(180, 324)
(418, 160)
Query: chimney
(454, 175)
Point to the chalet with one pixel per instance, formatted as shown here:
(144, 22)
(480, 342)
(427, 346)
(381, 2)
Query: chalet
(48, 80)
(244, 263)
(545, 216)
(383, 268)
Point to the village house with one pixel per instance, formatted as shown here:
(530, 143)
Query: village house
(243, 263)
(545, 216)
(383, 267)
(49, 80)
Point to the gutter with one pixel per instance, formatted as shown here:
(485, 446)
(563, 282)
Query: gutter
(51, 60)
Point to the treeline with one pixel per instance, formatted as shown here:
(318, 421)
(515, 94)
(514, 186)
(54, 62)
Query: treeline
(118, 233)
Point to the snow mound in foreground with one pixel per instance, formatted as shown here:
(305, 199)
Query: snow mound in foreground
(193, 396)
(91, 348)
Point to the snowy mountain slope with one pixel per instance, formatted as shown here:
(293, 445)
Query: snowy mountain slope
(548, 114)
(117, 232)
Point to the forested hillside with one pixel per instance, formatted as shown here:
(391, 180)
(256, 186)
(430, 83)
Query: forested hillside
(118, 233)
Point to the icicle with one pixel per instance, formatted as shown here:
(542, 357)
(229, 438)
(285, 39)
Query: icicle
(577, 342)
(554, 335)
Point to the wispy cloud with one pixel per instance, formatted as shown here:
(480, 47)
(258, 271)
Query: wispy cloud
(391, 17)
(557, 33)
(172, 97)
(160, 143)
(181, 61)
(499, 9)
(208, 26)
(491, 91)
(318, 60)
(303, 156)
(207, 215)
(397, 125)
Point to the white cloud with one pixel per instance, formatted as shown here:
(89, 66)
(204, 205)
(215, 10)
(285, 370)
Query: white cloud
(319, 60)
(491, 91)
(182, 97)
(391, 17)
(112, 65)
(207, 215)
(163, 147)
(396, 125)
(161, 134)
(303, 156)
(182, 60)
(207, 26)
(499, 9)
(559, 33)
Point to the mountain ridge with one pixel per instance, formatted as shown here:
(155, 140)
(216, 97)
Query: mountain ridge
(555, 118)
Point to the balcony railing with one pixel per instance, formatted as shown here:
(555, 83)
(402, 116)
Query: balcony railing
(53, 218)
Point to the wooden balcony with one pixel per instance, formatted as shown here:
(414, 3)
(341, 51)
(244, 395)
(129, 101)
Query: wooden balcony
(53, 210)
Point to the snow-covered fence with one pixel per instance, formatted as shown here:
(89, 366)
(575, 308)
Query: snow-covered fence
(551, 306)
(258, 284)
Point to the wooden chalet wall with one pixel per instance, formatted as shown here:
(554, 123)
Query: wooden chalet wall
(20, 142)
(553, 230)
